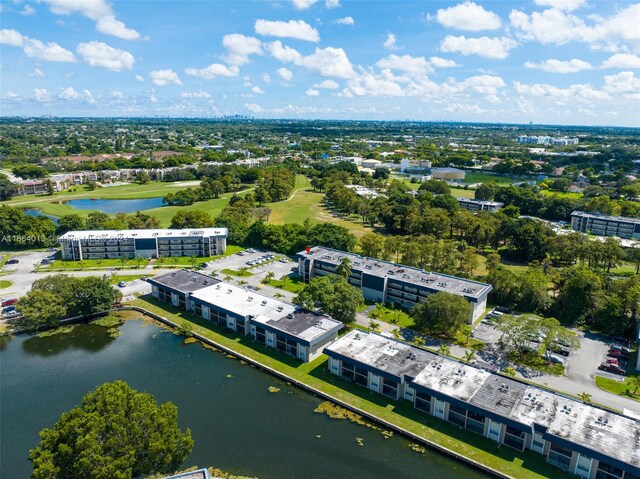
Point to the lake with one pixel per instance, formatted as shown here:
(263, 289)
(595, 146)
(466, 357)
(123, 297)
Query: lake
(115, 206)
(237, 424)
(36, 212)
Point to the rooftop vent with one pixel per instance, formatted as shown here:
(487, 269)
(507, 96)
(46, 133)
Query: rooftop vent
(206, 281)
(173, 274)
(229, 291)
(390, 272)
(280, 308)
(290, 316)
(357, 336)
(566, 409)
(250, 298)
(504, 387)
(602, 421)
(264, 302)
(218, 286)
(194, 279)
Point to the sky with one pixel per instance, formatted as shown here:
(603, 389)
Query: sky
(541, 61)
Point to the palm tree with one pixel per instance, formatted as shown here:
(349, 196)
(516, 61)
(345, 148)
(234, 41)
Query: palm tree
(344, 268)
(469, 356)
(160, 260)
(242, 282)
(99, 262)
(278, 295)
(81, 264)
(138, 261)
(418, 341)
(269, 277)
(634, 382)
(194, 261)
(123, 260)
(467, 331)
(175, 260)
(373, 326)
(396, 333)
(228, 278)
(585, 397)
(444, 349)
(214, 274)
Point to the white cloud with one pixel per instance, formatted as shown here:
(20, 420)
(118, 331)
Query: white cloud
(213, 70)
(328, 62)
(27, 10)
(497, 47)
(37, 73)
(139, 77)
(254, 107)
(298, 29)
(468, 16)
(164, 77)
(584, 93)
(41, 95)
(50, 51)
(10, 95)
(282, 52)
(10, 37)
(485, 84)
(303, 4)
(567, 5)
(406, 63)
(257, 90)
(97, 10)
(195, 94)
(153, 98)
(285, 73)
(266, 78)
(554, 26)
(117, 94)
(98, 54)
(70, 94)
(369, 84)
(623, 82)
(560, 66)
(240, 47)
(622, 60)
(345, 21)
(330, 4)
(312, 92)
(390, 42)
(438, 62)
(327, 84)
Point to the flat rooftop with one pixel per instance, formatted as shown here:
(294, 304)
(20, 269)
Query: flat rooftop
(402, 273)
(243, 302)
(625, 219)
(142, 234)
(184, 280)
(596, 429)
(385, 354)
(478, 202)
(306, 325)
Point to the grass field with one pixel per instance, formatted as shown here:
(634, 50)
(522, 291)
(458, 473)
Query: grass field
(116, 278)
(523, 465)
(482, 177)
(618, 388)
(557, 194)
(242, 273)
(5, 284)
(293, 285)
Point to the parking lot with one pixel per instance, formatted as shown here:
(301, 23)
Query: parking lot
(237, 262)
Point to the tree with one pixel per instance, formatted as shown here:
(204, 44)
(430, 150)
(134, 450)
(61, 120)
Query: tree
(444, 349)
(344, 268)
(467, 331)
(40, 309)
(469, 356)
(117, 433)
(634, 382)
(584, 396)
(334, 295)
(441, 313)
(438, 187)
(374, 326)
(143, 177)
(485, 191)
(71, 222)
(191, 219)
(372, 244)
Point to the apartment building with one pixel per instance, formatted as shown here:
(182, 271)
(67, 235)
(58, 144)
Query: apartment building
(605, 225)
(582, 439)
(383, 281)
(103, 244)
(283, 326)
(479, 205)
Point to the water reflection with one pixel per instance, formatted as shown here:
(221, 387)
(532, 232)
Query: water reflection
(90, 337)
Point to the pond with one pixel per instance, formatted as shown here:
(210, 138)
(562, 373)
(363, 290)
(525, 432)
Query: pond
(237, 424)
(36, 212)
(115, 206)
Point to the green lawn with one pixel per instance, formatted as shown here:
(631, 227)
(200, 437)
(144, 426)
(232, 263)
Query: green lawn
(557, 194)
(68, 265)
(5, 284)
(233, 272)
(521, 465)
(182, 261)
(291, 284)
(462, 192)
(483, 177)
(617, 387)
(398, 317)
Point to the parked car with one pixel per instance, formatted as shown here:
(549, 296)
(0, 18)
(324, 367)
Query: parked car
(619, 348)
(563, 350)
(240, 253)
(622, 340)
(554, 358)
(9, 302)
(13, 261)
(9, 310)
(122, 284)
(283, 260)
(612, 369)
(144, 278)
(204, 265)
(616, 353)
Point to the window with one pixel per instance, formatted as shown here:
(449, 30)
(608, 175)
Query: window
(475, 422)
(261, 335)
(514, 438)
(607, 471)
(457, 415)
(423, 401)
(353, 373)
(560, 456)
(389, 389)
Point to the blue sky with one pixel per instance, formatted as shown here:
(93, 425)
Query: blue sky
(545, 61)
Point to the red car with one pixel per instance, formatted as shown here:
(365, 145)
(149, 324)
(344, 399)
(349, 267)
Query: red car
(9, 302)
(616, 353)
(612, 369)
